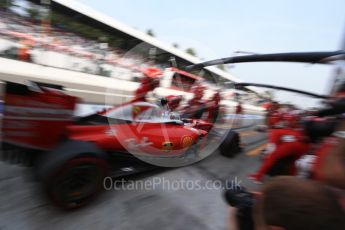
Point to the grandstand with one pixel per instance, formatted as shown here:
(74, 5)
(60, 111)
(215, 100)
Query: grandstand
(84, 44)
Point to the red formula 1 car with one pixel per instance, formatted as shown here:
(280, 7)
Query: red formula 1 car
(71, 157)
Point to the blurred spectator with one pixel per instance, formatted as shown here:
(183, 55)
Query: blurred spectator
(24, 51)
(63, 48)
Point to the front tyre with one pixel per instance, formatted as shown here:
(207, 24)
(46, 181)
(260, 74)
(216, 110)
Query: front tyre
(231, 144)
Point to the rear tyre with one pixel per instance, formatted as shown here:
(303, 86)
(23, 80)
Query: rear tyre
(231, 144)
(72, 173)
(76, 182)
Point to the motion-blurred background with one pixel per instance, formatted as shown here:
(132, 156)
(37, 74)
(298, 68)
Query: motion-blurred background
(102, 61)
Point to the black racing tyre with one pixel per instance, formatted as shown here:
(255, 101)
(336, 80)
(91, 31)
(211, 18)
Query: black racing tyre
(72, 173)
(76, 182)
(231, 145)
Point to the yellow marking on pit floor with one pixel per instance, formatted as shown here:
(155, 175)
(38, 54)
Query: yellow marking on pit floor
(257, 150)
(248, 133)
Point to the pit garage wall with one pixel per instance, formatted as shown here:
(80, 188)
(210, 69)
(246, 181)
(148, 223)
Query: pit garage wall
(91, 88)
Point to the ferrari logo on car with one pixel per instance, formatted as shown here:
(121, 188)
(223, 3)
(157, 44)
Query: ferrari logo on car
(167, 146)
(136, 110)
(186, 141)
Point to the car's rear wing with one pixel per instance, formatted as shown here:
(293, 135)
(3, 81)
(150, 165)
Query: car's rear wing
(35, 115)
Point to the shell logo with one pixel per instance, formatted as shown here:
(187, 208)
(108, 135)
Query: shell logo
(186, 141)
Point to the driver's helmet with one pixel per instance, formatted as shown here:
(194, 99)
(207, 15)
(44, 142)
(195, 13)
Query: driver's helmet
(174, 101)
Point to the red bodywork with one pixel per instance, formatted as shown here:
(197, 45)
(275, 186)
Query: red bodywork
(150, 138)
(43, 119)
(36, 118)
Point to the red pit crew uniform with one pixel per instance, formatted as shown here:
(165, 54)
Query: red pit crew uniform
(213, 107)
(287, 143)
(149, 82)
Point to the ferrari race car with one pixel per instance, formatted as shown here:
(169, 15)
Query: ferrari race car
(72, 156)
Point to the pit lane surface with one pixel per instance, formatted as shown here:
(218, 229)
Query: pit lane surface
(22, 205)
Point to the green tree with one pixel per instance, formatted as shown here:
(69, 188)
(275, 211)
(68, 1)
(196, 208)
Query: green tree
(5, 4)
(191, 51)
(33, 12)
